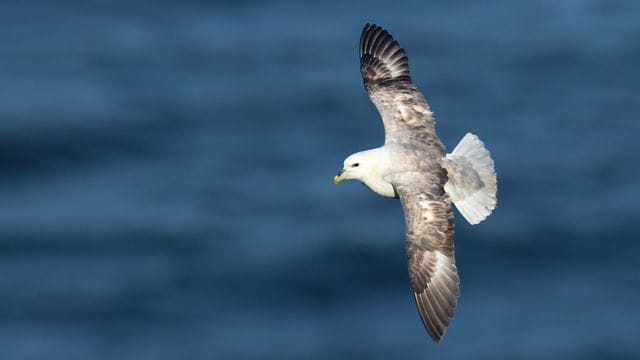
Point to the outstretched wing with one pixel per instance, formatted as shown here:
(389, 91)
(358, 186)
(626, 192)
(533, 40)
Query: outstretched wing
(430, 251)
(420, 186)
(385, 70)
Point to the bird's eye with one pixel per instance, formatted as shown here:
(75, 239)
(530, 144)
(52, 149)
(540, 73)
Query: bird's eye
(355, 165)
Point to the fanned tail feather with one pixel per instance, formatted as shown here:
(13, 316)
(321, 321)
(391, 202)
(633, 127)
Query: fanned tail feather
(472, 181)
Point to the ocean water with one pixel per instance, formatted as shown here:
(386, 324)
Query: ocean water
(166, 180)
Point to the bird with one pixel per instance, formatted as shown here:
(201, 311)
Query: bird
(413, 166)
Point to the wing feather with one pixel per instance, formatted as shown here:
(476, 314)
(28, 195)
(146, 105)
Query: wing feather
(430, 250)
(385, 71)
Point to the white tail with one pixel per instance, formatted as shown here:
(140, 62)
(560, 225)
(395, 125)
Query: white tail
(472, 181)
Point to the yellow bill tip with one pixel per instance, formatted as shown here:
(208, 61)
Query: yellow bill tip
(339, 177)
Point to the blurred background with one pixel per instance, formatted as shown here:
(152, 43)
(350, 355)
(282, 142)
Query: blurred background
(166, 180)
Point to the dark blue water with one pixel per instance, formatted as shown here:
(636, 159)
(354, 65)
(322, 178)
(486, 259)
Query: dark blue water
(166, 180)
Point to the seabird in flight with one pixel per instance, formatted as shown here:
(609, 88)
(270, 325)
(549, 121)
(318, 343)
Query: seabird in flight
(413, 166)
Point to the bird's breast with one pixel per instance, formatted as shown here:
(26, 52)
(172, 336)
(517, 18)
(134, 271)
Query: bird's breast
(381, 187)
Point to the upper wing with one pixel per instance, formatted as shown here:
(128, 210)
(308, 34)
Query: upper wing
(430, 251)
(385, 70)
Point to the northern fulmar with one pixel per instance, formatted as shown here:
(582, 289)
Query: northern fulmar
(412, 165)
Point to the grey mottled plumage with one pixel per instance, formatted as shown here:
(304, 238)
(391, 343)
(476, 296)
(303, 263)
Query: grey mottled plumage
(409, 123)
(413, 166)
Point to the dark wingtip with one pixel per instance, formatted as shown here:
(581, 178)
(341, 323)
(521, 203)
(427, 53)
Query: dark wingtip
(437, 302)
(381, 57)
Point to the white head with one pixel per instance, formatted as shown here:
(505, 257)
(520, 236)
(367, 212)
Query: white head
(369, 167)
(357, 167)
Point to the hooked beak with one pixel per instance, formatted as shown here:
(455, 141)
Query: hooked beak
(339, 177)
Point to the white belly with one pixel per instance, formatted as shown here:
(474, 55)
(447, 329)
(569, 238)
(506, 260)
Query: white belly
(382, 188)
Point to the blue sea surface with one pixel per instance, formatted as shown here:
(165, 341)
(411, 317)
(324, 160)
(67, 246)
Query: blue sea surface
(166, 180)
